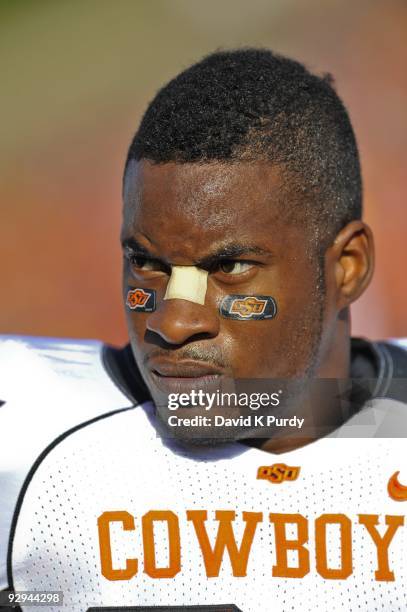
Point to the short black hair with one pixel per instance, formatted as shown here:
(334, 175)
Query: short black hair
(255, 105)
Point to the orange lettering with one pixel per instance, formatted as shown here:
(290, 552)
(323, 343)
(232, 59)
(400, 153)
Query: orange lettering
(346, 546)
(225, 538)
(281, 568)
(104, 521)
(150, 566)
(382, 542)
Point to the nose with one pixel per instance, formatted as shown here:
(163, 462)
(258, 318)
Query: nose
(178, 321)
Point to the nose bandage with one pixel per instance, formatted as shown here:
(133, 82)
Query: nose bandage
(187, 283)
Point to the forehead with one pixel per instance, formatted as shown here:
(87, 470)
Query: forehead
(204, 204)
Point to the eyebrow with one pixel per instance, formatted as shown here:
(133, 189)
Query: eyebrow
(228, 251)
(132, 245)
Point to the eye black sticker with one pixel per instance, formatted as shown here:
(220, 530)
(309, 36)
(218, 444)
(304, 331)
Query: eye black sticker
(248, 307)
(142, 300)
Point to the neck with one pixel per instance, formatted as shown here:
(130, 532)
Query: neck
(324, 404)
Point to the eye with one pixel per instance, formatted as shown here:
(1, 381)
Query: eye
(234, 267)
(142, 263)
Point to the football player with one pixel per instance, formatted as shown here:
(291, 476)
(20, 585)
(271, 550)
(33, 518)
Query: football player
(242, 451)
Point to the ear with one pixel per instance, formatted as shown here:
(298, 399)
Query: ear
(352, 255)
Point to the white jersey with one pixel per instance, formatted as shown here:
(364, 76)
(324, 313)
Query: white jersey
(47, 387)
(112, 515)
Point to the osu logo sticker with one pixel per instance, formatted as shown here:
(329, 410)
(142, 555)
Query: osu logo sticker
(141, 299)
(249, 306)
(245, 307)
(278, 472)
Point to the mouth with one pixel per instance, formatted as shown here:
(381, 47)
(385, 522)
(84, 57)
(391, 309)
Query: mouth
(184, 376)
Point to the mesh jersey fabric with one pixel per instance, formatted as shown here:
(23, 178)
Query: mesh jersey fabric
(119, 463)
(47, 386)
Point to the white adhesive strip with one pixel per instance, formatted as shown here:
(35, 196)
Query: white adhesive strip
(187, 283)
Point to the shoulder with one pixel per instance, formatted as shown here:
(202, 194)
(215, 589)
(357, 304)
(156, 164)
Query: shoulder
(381, 365)
(397, 348)
(392, 357)
(400, 342)
(36, 360)
(48, 386)
(384, 413)
(43, 371)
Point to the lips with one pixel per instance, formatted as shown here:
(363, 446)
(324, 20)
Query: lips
(183, 369)
(184, 376)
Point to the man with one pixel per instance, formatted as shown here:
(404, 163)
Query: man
(243, 250)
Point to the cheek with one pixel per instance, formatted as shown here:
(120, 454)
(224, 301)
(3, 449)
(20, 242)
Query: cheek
(255, 347)
(297, 334)
(136, 325)
(284, 346)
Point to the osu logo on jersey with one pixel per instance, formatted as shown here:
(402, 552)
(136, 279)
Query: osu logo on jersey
(141, 299)
(245, 307)
(278, 472)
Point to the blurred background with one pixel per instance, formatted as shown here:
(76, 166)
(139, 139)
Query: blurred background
(76, 76)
